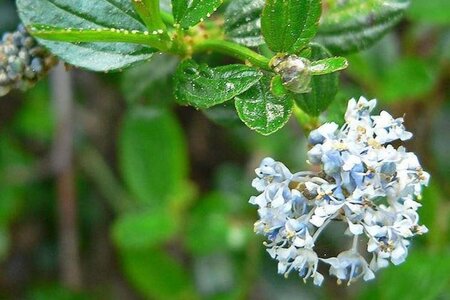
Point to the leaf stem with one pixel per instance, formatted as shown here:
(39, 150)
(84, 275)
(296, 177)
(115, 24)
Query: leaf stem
(80, 35)
(234, 50)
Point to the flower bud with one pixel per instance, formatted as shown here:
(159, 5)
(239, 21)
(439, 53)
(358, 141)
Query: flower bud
(294, 72)
(22, 61)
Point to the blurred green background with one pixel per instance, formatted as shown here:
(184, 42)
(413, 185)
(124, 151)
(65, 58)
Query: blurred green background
(161, 191)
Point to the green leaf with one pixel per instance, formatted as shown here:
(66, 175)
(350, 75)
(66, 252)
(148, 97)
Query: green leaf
(328, 65)
(208, 226)
(150, 82)
(408, 78)
(36, 126)
(10, 203)
(424, 276)
(81, 35)
(149, 11)
(155, 275)
(204, 87)
(224, 115)
(12, 162)
(349, 26)
(323, 88)
(430, 11)
(144, 229)
(243, 22)
(262, 111)
(45, 291)
(289, 25)
(277, 87)
(152, 154)
(188, 13)
(433, 197)
(88, 14)
(336, 111)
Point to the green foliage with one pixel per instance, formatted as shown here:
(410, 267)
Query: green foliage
(277, 87)
(261, 110)
(46, 292)
(155, 275)
(354, 25)
(203, 87)
(243, 22)
(430, 11)
(394, 79)
(324, 88)
(424, 276)
(87, 14)
(4, 242)
(140, 230)
(150, 82)
(149, 11)
(288, 25)
(209, 225)
(328, 65)
(408, 78)
(432, 200)
(152, 155)
(35, 120)
(11, 161)
(224, 115)
(82, 35)
(336, 111)
(346, 26)
(189, 13)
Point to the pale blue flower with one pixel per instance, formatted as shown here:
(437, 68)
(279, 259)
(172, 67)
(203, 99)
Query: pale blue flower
(359, 171)
(349, 266)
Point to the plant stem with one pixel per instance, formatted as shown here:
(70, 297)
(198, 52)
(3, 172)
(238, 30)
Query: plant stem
(69, 259)
(234, 50)
(307, 122)
(355, 243)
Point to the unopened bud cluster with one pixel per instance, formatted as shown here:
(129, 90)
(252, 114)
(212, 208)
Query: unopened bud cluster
(364, 182)
(22, 61)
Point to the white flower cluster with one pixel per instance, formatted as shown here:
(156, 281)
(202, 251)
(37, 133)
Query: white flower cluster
(364, 182)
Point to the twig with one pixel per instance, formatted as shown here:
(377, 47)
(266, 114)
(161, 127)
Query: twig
(69, 260)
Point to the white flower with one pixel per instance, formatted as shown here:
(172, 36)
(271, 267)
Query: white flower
(360, 171)
(305, 261)
(350, 266)
(270, 171)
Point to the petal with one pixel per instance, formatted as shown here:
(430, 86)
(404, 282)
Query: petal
(317, 220)
(318, 279)
(356, 229)
(369, 275)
